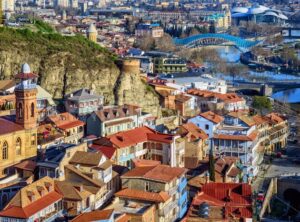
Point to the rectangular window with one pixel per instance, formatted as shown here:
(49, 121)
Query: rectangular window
(147, 186)
(206, 126)
(33, 140)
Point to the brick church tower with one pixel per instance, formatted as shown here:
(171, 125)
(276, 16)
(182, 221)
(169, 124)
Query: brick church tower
(26, 92)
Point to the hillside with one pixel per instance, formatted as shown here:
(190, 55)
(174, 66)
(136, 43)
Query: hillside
(65, 64)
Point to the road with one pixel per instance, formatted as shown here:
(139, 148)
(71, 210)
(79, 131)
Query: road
(279, 166)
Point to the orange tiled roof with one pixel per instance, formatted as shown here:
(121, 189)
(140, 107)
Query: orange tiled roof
(7, 126)
(211, 116)
(31, 209)
(251, 137)
(94, 216)
(227, 97)
(275, 118)
(160, 197)
(182, 98)
(65, 121)
(260, 119)
(108, 151)
(233, 198)
(163, 173)
(133, 137)
(28, 165)
(194, 131)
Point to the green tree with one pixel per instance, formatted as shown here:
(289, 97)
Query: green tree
(261, 103)
(211, 165)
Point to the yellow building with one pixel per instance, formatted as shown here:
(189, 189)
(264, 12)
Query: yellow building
(18, 138)
(92, 33)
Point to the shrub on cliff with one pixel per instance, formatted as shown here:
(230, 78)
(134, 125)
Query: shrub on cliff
(45, 44)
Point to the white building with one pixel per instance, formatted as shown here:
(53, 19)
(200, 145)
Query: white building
(208, 122)
(8, 5)
(207, 82)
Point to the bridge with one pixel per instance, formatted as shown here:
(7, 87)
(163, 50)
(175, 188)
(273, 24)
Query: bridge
(214, 39)
(289, 32)
(248, 87)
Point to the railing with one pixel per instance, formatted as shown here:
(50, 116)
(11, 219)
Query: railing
(182, 184)
(141, 152)
(231, 132)
(127, 157)
(52, 216)
(182, 198)
(102, 200)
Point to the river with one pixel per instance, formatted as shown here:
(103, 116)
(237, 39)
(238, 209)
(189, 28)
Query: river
(231, 54)
(289, 96)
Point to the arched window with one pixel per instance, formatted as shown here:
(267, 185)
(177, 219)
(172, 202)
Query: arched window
(32, 109)
(18, 146)
(20, 110)
(5, 151)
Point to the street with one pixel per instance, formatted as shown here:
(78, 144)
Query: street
(279, 166)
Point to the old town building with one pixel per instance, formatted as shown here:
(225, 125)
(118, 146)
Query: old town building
(18, 137)
(143, 143)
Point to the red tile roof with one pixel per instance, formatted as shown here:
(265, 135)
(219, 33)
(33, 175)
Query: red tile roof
(163, 173)
(240, 192)
(275, 118)
(251, 137)
(7, 126)
(94, 216)
(211, 116)
(28, 165)
(227, 97)
(31, 209)
(71, 125)
(65, 121)
(160, 197)
(133, 137)
(234, 198)
(108, 151)
(194, 131)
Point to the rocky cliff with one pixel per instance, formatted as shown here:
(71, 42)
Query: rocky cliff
(65, 64)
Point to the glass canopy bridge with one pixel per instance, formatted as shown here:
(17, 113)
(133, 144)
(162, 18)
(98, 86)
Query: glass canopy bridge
(214, 39)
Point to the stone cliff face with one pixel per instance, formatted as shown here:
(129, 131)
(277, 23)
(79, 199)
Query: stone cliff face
(63, 71)
(131, 89)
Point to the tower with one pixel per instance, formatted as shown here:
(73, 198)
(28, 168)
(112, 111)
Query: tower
(25, 91)
(92, 33)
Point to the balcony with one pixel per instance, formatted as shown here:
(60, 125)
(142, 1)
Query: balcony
(51, 216)
(99, 202)
(182, 184)
(141, 152)
(124, 158)
(182, 199)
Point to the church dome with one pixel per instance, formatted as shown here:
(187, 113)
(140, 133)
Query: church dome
(92, 28)
(25, 68)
